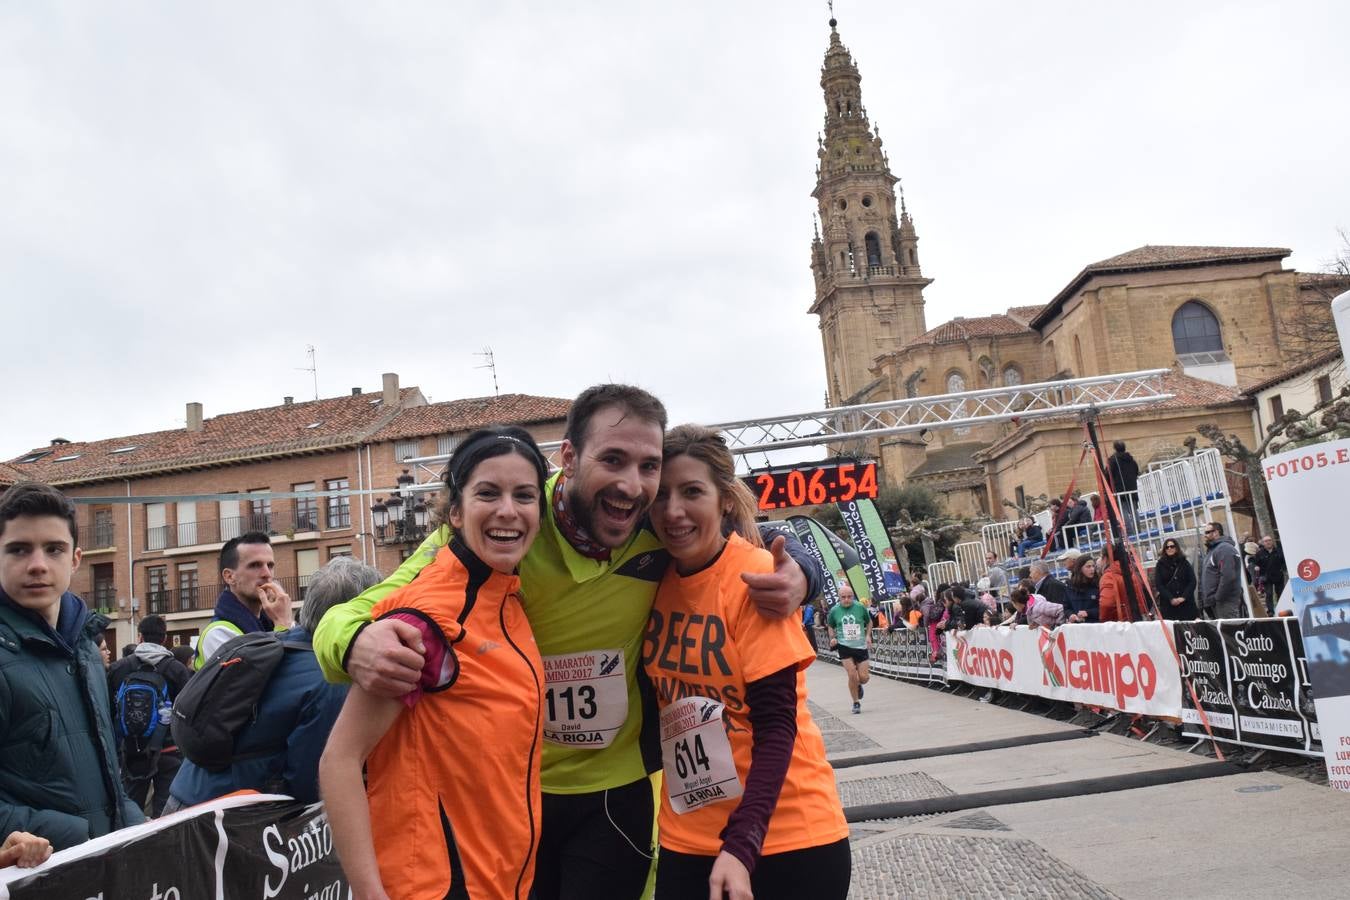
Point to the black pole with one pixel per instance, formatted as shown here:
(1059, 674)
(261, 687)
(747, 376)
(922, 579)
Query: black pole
(1132, 596)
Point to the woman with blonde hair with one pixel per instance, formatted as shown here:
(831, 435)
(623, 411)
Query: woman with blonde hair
(749, 801)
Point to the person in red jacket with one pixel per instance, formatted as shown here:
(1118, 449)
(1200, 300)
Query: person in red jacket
(1113, 604)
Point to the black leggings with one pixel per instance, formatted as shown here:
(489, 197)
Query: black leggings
(820, 873)
(588, 840)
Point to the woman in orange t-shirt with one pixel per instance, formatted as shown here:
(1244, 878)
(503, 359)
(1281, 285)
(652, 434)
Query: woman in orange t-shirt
(749, 801)
(438, 816)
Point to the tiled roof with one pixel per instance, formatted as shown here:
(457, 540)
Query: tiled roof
(1153, 256)
(1025, 314)
(952, 458)
(465, 415)
(288, 429)
(1294, 371)
(1188, 394)
(1157, 256)
(9, 474)
(1323, 281)
(958, 330)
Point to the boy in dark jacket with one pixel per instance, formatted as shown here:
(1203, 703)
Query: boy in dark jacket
(59, 777)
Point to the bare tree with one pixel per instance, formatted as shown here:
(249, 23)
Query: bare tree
(1309, 326)
(1293, 429)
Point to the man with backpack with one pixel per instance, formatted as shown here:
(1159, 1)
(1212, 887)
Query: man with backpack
(142, 687)
(257, 715)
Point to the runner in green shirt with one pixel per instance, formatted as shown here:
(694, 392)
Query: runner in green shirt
(587, 583)
(850, 629)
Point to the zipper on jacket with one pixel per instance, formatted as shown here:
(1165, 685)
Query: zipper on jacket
(534, 741)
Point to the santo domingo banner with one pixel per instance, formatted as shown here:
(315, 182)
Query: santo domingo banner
(875, 551)
(1204, 665)
(1119, 665)
(240, 848)
(1302, 483)
(1250, 677)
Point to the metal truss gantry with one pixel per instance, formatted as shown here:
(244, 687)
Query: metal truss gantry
(912, 415)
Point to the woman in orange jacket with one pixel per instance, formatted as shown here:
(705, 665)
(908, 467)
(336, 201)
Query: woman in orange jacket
(749, 802)
(451, 803)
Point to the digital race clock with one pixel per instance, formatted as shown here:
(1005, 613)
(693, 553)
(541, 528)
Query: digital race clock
(812, 485)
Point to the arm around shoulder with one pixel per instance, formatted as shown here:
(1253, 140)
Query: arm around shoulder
(341, 624)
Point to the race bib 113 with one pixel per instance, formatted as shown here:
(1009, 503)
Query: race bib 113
(585, 698)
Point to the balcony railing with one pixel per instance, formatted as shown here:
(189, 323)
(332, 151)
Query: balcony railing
(203, 596)
(218, 531)
(97, 535)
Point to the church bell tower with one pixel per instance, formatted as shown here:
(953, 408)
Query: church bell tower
(865, 254)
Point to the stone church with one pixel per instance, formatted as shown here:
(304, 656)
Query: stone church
(1222, 319)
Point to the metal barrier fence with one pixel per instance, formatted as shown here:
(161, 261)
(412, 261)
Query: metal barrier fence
(902, 653)
(970, 559)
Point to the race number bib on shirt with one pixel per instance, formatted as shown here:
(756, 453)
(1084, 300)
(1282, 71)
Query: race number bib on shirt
(585, 698)
(852, 631)
(696, 755)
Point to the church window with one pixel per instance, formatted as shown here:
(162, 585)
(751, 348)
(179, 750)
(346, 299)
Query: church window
(1012, 376)
(1078, 356)
(913, 259)
(873, 248)
(843, 203)
(987, 371)
(1195, 329)
(956, 383)
(867, 200)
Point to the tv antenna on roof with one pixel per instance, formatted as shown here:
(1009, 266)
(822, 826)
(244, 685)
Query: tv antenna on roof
(490, 363)
(312, 369)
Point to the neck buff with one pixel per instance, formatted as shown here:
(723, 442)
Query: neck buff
(574, 533)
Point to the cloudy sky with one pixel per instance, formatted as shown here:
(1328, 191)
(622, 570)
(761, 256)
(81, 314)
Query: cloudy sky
(191, 194)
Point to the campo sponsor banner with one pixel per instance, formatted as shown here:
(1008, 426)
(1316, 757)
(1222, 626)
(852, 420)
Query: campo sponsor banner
(1301, 483)
(1250, 677)
(241, 848)
(1120, 665)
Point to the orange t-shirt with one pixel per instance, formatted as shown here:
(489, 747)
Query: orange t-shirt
(706, 638)
(454, 784)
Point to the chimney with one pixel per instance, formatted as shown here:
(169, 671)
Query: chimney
(194, 417)
(287, 401)
(356, 392)
(390, 388)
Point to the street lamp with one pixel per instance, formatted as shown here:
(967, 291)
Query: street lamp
(405, 514)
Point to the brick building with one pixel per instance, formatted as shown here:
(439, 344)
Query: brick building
(1223, 319)
(153, 519)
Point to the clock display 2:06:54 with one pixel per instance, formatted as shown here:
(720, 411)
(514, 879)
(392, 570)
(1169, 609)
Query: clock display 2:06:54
(814, 485)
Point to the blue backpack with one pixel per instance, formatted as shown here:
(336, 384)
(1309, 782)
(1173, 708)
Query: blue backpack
(141, 705)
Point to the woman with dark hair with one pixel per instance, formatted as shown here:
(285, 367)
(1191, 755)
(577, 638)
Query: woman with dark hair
(749, 801)
(1174, 583)
(1081, 593)
(437, 815)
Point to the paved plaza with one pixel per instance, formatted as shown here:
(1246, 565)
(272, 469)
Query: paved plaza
(1249, 834)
